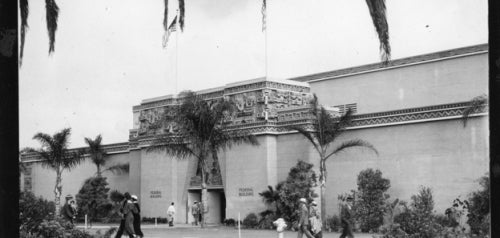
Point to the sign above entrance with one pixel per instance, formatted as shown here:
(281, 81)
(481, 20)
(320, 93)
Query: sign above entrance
(243, 192)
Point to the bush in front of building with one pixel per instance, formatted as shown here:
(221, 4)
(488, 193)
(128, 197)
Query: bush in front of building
(33, 211)
(229, 222)
(283, 200)
(159, 220)
(332, 223)
(92, 200)
(419, 219)
(267, 218)
(370, 204)
(250, 221)
(479, 208)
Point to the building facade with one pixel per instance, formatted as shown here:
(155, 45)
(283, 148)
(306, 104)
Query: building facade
(410, 110)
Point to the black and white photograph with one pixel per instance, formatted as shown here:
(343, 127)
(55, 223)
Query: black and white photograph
(254, 118)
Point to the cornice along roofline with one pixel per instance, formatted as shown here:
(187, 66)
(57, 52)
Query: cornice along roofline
(402, 62)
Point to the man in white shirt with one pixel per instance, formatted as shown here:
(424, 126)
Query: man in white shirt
(171, 214)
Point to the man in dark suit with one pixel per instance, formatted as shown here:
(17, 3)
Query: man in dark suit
(346, 219)
(68, 212)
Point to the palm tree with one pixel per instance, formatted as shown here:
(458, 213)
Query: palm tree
(97, 153)
(376, 8)
(326, 131)
(56, 156)
(202, 132)
(474, 106)
(271, 197)
(99, 156)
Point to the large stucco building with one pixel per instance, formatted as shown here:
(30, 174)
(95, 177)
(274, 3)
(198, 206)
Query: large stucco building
(409, 110)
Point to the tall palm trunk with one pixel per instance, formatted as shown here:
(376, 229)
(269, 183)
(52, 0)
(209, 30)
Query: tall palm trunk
(58, 192)
(99, 172)
(204, 192)
(322, 180)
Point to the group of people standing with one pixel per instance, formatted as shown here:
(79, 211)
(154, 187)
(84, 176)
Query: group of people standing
(309, 220)
(131, 218)
(196, 212)
(310, 223)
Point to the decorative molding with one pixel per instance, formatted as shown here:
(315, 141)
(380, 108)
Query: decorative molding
(379, 119)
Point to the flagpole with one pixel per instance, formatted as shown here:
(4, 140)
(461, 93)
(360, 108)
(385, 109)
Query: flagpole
(176, 50)
(265, 37)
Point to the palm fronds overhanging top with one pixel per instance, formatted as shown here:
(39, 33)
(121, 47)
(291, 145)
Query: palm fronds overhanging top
(378, 13)
(52, 14)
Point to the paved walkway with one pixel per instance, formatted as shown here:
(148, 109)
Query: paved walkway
(211, 231)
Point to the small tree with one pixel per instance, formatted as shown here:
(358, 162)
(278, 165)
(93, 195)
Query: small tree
(371, 203)
(325, 133)
(479, 208)
(203, 131)
(92, 199)
(33, 210)
(99, 157)
(299, 184)
(55, 155)
(419, 219)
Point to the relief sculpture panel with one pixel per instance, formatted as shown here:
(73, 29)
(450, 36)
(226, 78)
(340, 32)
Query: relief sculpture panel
(251, 106)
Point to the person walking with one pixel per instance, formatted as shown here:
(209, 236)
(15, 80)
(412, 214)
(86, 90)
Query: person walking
(346, 215)
(124, 209)
(137, 217)
(315, 220)
(171, 214)
(195, 211)
(67, 211)
(303, 220)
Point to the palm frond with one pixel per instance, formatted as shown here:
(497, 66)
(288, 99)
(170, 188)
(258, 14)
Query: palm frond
(172, 145)
(352, 143)
(378, 13)
(23, 4)
(309, 135)
(96, 151)
(52, 14)
(473, 106)
(121, 168)
(165, 16)
(182, 14)
(71, 159)
(44, 139)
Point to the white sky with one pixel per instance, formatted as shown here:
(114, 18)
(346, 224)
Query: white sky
(108, 54)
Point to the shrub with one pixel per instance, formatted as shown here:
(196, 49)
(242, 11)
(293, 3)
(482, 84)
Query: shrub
(299, 184)
(229, 222)
(92, 199)
(250, 221)
(333, 223)
(419, 220)
(152, 220)
(51, 229)
(370, 204)
(445, 221)
(33, 211)
(479, 208)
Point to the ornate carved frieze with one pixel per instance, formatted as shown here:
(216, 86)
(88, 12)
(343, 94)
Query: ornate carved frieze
(256, 101)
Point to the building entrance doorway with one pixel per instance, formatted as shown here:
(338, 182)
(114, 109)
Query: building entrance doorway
(216, 205)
